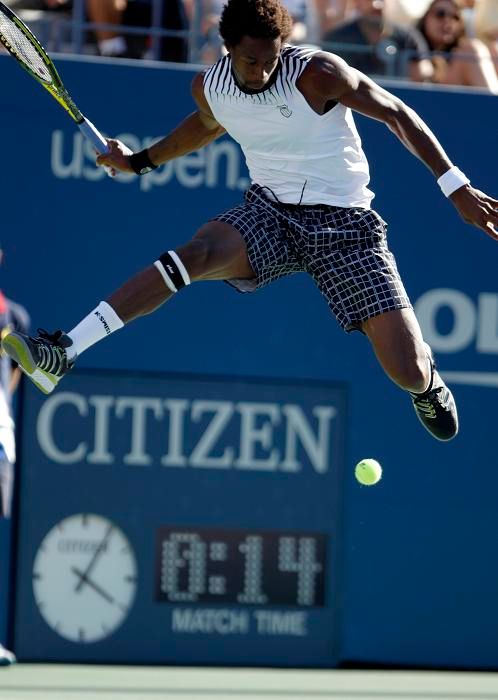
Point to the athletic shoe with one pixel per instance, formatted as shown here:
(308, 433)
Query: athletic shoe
(42, 359)
(436, 409)
(7, 658)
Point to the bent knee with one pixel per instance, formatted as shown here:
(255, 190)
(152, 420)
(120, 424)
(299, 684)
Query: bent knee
(412, 375)
(195, 255)
(217, 251)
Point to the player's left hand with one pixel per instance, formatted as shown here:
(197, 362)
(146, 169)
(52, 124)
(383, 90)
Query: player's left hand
(477, 208)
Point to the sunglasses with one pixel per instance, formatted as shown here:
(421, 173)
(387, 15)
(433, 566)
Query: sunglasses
(443, 14)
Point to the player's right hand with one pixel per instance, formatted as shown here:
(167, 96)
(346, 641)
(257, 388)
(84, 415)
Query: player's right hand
(117, 157)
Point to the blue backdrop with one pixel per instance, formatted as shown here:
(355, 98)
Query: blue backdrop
(418, 573)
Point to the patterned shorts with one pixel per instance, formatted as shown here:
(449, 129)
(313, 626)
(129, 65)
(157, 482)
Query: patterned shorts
(343, 249)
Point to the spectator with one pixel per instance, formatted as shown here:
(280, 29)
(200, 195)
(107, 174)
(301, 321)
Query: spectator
(139, 13)
(117, 43)
(457, 58)
(486, 25)
(376, 46)
(110, 43)
(314, 18)
(330, 13)
(210, 43)
(12, 317)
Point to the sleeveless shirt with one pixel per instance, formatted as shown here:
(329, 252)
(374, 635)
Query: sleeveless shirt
(302, 157)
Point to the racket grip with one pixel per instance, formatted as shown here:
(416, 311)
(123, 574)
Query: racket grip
(93, 134)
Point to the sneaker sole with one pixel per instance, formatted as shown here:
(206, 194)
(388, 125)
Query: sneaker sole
(19, 351)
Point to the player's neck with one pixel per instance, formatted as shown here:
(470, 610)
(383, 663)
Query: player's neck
(270, 82)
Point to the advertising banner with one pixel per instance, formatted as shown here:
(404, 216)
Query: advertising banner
(199, 516)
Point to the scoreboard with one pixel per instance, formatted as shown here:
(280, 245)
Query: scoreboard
(180, 520)
(241, 567)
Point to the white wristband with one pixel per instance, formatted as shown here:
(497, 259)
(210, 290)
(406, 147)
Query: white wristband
(452, 180)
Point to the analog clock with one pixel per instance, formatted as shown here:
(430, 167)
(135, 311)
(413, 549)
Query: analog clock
(84, 577)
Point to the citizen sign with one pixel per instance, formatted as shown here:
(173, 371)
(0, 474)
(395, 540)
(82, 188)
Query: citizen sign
(180, 432)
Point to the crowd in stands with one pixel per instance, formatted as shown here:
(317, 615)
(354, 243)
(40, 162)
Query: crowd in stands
(450, 42)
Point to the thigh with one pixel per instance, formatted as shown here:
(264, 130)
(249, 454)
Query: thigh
(271, 252)
(397, 341)
(216, 252)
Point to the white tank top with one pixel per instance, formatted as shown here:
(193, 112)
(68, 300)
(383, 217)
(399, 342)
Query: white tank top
(299, 155)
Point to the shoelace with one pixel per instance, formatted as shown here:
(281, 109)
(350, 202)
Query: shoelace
(51, 353)
(426, 407)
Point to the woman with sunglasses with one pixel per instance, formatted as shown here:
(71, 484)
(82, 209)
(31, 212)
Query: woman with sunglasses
(457, 59)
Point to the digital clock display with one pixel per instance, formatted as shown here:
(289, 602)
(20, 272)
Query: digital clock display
(243, 567)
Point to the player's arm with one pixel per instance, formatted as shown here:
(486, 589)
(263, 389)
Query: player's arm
(330, 78)
(194, 132)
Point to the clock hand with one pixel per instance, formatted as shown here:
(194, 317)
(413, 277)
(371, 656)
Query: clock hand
(94, 559)
(98, 589)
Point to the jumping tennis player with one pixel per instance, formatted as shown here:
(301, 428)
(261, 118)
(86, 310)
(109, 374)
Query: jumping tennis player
(307, 209)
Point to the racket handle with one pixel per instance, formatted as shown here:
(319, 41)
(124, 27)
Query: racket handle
(93, 134)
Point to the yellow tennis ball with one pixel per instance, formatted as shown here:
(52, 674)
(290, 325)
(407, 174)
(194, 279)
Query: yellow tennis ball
(368, 472)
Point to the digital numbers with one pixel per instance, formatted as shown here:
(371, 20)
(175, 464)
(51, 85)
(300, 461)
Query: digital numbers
(235, 566)
(252, 551)
(183, 553)
(299, 556)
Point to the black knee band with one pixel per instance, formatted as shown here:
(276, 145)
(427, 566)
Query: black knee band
(173, 271)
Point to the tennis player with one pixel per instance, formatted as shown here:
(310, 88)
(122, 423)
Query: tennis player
(307, 209)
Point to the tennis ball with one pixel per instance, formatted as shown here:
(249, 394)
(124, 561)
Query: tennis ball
(368, 472)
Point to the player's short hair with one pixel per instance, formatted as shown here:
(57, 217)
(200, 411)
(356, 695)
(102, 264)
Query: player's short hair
(259, 19)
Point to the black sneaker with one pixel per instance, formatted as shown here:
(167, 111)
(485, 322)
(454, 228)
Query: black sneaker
(436, 409)
(42, 359)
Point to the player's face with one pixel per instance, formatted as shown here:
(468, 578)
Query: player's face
(254, 61)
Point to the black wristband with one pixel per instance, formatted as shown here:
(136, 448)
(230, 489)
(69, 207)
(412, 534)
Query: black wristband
(141, 163)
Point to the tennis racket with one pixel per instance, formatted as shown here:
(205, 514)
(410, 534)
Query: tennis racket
(21, 43)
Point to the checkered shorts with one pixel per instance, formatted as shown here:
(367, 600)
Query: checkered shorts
(343, 249)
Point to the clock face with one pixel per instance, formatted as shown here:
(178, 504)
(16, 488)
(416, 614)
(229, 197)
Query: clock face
(84, 578)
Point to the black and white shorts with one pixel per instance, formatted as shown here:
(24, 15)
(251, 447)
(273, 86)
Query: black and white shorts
(343, 249)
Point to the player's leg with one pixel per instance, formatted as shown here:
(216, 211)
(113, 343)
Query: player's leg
(216, 252)
(364, 291)
(399, 346)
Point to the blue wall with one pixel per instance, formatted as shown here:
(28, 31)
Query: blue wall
(419, 575)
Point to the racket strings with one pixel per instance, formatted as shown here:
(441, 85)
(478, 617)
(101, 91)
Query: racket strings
(19, 44)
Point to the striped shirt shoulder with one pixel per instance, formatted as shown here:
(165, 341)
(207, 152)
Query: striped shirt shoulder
(293, 60)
